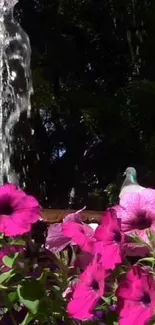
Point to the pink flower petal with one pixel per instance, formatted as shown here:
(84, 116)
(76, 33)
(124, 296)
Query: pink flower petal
(82, 235)
(56, 241)
(17, 210)
(139, 316)
(74, 217)
(11, 228)
(137, 212)
(136, 297)
(87, 292)
(109, 240)
(110, 255)
(83, 307)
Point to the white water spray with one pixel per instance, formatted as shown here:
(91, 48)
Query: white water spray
(15, 83)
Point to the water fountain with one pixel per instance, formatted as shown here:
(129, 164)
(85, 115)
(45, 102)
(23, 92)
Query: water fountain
(15, 83)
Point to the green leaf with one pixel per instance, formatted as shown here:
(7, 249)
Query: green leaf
(31, 293)
(107, 300)
(13, 297)
(28, 318)
(44, 275)
(100, 308)
(10, 261)
(150, 235)
(18, 242)
(6, 276)
(147, 259)
(138, 240)
(2, 240)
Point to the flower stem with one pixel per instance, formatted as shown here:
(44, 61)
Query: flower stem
(9, 307)
(12, 317)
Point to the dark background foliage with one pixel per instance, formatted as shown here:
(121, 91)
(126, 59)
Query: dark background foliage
(93, 108)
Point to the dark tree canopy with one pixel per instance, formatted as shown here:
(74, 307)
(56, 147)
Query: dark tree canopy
(93, 66)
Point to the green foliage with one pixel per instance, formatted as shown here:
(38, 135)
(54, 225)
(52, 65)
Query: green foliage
(4, 277)
(10, 261)
(31, 293)
(28, 287)
(28, 318)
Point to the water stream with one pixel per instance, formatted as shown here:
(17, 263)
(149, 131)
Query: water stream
(15, 84)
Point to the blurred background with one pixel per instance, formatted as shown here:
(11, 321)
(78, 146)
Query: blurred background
(93, 108)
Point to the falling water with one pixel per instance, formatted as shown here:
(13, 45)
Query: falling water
(15, 83)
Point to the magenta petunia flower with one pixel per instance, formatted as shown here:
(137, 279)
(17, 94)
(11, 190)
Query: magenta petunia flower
(87, 292)
(80, 234)
(137, 212)
(17, 211)
(56, 240)
(110, 240)
(136, 297)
